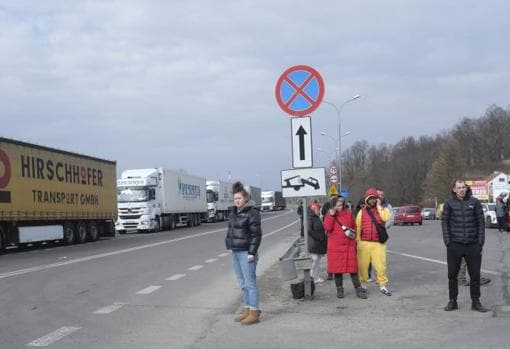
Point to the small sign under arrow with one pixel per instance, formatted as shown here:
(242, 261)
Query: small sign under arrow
(301, 142)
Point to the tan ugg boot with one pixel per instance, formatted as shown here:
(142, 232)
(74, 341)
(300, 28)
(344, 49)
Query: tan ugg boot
(244, 314)
(253, 318)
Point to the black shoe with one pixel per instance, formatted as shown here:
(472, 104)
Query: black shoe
(484, 281)
(452, 305)
(477, 306)
(340, 292)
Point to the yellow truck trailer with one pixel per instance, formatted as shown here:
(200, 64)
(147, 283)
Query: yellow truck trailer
(48, 194)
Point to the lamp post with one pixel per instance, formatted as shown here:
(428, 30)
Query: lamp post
(336, 141)
(339, 157)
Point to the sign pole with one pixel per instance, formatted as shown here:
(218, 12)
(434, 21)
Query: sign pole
(306, 272)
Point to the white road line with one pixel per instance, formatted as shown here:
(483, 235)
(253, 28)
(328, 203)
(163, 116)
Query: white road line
(212, 260)
(280, 229)
(114, 253)
(439, 262)
(53, 337)
(224, 254)
(110, 308)
(175, 277)
(196, 267)
(149, 290)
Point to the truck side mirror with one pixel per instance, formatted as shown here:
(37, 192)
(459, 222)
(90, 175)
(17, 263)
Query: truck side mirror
(152, 194)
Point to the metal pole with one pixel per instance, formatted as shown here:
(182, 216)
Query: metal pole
(306, 272)
(339, 150)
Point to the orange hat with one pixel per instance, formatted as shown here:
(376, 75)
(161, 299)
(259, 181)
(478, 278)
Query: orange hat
(371, 192)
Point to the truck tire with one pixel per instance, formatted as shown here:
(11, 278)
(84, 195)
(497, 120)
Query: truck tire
(157, 225)
(2, 239)
(81, 233)
(93, 231)
(199, 219)
(68, 233)
(171, 225)
(190, 220)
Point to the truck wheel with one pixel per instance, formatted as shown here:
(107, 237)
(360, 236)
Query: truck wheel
(190, 220)
(157, 224)
(171, 222)
(93, 231)
(2, 239)
(199, 220)
(68, 233)
(81, 233)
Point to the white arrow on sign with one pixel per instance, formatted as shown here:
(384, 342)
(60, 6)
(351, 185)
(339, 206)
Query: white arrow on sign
(301, 129)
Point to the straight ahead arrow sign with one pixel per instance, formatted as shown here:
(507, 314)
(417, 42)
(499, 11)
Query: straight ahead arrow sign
(301, 134)
(301, 142)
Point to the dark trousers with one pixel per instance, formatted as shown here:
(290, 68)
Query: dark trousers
(501, 223)
(472, 253)
(339, 280)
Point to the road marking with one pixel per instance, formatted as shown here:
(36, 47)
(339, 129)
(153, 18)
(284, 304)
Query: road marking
(497, 273)
(175, 277)
(53, 337)
(149, 290)
(110, 308)
(223, 254)
(212, 260)
(279, 230)
(196, 267)
(114, 253)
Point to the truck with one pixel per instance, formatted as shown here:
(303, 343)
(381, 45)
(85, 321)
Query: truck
(219, 200)
(153, 199)
(255, 195)
(273, 201)
(47, 194)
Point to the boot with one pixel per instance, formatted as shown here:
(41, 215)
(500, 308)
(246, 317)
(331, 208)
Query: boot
(361, 292)
(252, 318)
(340, 292)
(244, 314)
(452, 305)
(477, 306)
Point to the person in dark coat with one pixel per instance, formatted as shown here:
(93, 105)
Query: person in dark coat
(463, 228)
(342, 251)
(244, 235)
(317, 240)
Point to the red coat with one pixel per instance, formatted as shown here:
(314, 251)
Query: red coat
(342, 255)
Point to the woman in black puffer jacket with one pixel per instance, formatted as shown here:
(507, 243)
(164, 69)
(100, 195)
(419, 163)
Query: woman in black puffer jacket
(244, 235)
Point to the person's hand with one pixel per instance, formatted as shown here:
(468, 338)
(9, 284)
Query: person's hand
(378, 202)
(332, 211)
(251, 258)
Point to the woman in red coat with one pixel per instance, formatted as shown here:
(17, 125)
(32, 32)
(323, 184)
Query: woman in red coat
(342, 252)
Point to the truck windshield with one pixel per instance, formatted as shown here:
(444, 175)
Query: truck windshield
(267, 199)
(210, 196)
(132, 195)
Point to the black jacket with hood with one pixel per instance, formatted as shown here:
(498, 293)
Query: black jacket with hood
(462, 220)
(317, 240)
(244, 232)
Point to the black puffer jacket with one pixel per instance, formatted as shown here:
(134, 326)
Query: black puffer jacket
(462, 220)
(317, 240)
(244, 232)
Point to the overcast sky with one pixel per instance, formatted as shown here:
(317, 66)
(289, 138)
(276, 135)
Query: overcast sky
(191, 84)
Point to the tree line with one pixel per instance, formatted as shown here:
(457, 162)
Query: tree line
(420, 170)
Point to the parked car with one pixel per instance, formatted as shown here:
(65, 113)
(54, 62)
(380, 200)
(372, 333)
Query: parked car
(428, 213)
(408, 214)
(489, 214)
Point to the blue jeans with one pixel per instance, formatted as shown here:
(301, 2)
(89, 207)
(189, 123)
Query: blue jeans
(247, 278)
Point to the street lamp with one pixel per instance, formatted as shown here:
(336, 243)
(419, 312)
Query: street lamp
(339, 158)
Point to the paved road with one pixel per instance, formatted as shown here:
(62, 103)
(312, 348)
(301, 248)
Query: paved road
(176, 290)
(154, 290)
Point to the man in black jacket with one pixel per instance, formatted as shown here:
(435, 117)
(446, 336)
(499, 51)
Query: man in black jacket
(464, 235)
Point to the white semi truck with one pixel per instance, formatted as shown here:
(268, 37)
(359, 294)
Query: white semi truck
(255, 194)
(219, 199)
(273, 201)
(154, 199)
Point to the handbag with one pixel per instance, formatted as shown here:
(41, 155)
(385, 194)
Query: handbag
(381, 229)
(351, 234)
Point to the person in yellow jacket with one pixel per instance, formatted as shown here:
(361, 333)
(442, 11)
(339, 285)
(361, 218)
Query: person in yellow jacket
(370, 250)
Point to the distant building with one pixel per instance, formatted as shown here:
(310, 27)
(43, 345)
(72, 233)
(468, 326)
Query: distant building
(498, 184)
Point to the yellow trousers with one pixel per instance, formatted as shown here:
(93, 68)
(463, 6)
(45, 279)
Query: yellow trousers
(375, 253)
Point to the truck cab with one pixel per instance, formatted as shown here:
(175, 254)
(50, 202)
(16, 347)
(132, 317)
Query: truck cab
(268, 201)
(138, 198)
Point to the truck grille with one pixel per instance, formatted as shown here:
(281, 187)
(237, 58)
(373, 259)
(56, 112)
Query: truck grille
(137, 216)
(133, 210)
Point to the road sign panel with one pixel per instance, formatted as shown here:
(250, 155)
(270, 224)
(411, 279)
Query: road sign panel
(301, 129)
(303, 182)
(333, 170)
(299, 90)
(333, 179)
(332, 191)
(344, 192)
